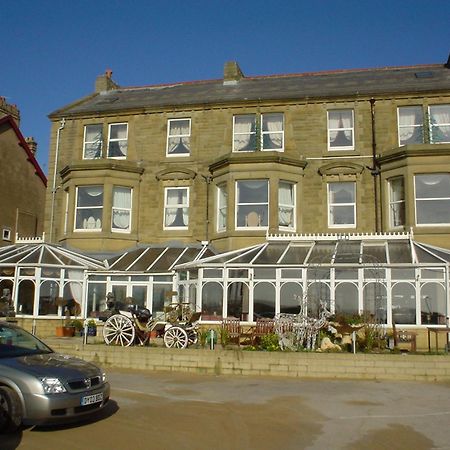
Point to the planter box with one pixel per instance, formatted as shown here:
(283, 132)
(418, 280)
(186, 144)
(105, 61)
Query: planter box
(65, 331)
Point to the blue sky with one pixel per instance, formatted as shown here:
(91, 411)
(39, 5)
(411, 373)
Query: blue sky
(52, 51)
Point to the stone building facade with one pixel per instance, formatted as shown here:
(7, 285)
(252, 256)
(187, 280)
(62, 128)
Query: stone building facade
(228, 161)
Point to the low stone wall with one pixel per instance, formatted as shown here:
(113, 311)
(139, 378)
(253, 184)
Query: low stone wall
(259, 363)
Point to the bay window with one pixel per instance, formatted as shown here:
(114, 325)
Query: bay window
(252, 203)
(432, 199)
(121, 209)
(178, 137)
(340, 129)
(286, 205)
(176, 208)
(89, 208)
(397, 202)
(222, 199)
(342, 204)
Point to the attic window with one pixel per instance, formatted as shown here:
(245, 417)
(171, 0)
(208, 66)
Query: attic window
(6, 234)
(424, 74)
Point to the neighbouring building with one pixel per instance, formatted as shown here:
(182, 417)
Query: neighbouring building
(22, 182)
(243, 194)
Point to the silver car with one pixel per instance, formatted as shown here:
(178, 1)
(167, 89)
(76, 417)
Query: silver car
(39, 386)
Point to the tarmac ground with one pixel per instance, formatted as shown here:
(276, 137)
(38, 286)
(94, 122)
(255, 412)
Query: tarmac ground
(163, 410)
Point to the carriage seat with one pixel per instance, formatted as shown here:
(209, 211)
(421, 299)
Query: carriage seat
(142, 314)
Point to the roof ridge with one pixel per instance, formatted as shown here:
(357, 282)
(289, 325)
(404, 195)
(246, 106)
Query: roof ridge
(286, 75)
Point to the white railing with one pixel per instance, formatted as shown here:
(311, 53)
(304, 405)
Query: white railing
(30, 240)
(338, 236)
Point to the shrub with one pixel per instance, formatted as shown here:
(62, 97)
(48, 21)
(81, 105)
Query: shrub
(269, 342)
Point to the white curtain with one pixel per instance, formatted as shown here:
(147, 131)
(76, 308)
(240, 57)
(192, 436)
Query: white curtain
(408, 117)
(179, 137)
(243, 126)
(273, 123)
(93, 191)
(121, 208)
(176, 201)
(286, 203)
(341, 124)
(440, 122)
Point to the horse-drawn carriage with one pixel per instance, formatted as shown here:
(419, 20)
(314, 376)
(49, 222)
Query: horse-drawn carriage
(178, 325)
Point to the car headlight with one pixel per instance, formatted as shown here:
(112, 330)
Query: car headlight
(52, 386)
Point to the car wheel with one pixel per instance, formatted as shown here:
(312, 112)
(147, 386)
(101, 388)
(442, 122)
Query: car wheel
(10, 410)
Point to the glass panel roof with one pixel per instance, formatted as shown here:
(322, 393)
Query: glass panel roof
(374, 253)
(348, 252)
(399, 252)
(156, 259)
(164, 264)
(322, 253)
(247, 257)
(46, 254)
(271, 254)
(296, 254)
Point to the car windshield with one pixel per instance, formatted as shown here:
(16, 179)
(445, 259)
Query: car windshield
(17, 342)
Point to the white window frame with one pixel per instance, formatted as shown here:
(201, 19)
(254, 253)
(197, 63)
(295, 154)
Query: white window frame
(222, 188)
(178, 206)
(393, 203)
(116, 208)
(6, 234)
(331, 205)
(88, 230)
(285, 205)
(432, 224)
(419, 125)
(86, 142)
(181, 136)
(235, 133)
(329, 130)
(116, 140)
(263, 133)
(431, 125)
(267, 204)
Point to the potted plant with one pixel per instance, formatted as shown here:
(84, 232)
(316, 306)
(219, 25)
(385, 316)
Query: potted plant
(91, 325)
(77, 324)
(65, 329)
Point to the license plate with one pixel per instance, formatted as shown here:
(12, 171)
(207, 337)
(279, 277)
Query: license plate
(89, 399)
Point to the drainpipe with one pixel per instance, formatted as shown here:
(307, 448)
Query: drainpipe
(375, 170)
(52, 213)
(208, 180)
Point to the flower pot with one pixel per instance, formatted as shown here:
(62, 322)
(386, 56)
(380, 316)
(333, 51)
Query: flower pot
(65, 331)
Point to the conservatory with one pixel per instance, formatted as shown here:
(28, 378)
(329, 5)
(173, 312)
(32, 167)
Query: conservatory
(48, 281)
(390, 277)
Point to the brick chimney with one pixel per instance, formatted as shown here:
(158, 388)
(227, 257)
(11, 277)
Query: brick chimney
(232, 73)
(105, 82)
(32, 144)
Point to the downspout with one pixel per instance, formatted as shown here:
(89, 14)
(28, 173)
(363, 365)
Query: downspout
(52, 213)
(375, 170)
(208, 180)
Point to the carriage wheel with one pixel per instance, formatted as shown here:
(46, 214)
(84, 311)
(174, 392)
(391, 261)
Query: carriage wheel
(119, 330)
(192, 337)
(176, 337)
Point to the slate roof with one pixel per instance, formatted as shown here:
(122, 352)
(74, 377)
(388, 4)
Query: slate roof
(344, 83)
